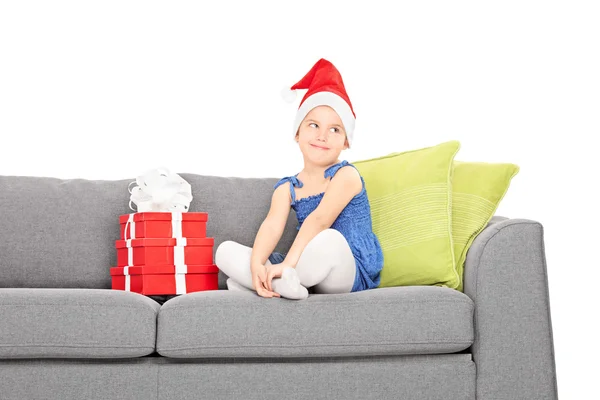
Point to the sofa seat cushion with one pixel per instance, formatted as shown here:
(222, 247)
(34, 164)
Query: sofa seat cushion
(383, 321)
(76, 323)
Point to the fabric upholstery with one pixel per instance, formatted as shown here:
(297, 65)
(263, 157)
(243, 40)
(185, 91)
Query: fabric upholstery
(432, 377)
(506, 277)
(383, 321)
(76, 323)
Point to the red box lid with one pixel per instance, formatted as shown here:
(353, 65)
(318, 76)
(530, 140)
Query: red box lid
(164, 216)
(165, 269)
(148, 242)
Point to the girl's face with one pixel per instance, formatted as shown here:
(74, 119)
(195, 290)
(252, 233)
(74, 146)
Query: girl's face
(321, 135)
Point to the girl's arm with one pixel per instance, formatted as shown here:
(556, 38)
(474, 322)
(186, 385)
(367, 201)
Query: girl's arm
(272, 227)
(345, 184)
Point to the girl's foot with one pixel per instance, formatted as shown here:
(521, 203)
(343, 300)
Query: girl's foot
(289, 285)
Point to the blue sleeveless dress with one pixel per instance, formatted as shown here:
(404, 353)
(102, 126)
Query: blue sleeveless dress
(354, 223)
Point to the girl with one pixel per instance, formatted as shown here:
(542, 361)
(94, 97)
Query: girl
(335, 250)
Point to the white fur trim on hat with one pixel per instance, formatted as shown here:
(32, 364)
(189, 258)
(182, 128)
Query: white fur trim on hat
(339, 105)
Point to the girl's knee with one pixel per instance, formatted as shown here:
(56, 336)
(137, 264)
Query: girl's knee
(327, 238)
(330, 254)
(222, 248)
(327, 247)
(225, 248)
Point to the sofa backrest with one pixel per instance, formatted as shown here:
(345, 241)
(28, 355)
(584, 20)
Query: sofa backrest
(61, 233)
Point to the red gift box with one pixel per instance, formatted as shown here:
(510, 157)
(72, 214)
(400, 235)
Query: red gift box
(165, 251)
(165, 280)
(163, 225)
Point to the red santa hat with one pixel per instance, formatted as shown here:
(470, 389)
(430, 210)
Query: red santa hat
(325, 87)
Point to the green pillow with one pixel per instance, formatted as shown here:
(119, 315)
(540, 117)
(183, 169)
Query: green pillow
(410, 194)
(477, 189)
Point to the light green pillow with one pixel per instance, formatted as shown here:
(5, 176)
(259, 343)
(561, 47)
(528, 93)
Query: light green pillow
(410, 194)
(477, 189)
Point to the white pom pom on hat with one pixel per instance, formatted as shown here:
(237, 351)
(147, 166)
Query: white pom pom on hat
(288, 95)
(325, 87)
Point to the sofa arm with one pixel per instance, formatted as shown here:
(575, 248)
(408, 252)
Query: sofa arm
(505, 276)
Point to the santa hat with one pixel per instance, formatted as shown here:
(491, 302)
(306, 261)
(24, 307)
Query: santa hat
(325, 87)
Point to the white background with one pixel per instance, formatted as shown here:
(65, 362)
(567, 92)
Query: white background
(107, 90)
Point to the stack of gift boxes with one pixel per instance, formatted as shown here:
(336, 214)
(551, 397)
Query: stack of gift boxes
(164, 253)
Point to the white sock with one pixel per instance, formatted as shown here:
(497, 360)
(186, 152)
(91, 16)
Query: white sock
(289, 285)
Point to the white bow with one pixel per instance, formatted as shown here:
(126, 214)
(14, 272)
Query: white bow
(160, 190)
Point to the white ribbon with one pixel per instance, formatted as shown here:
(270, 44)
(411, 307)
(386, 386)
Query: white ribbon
(129, 252)
(176, 218)
(130, 223)
(160, 190)
(127, 279)
(180, 284)
(129, 263)
(180, 266)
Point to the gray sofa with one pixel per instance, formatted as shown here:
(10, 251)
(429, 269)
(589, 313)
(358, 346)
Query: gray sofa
(64, 334)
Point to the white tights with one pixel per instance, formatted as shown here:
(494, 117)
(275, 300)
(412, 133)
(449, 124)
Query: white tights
(327, 264)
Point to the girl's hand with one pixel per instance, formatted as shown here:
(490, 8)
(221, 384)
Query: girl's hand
(259, 277)
(275, 271)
